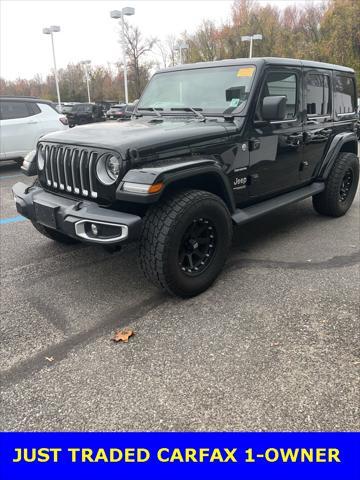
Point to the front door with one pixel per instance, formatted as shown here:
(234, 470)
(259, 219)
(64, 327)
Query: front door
(276, 146)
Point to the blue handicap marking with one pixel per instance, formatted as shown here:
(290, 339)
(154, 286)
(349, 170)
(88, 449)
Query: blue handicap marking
(18, 218)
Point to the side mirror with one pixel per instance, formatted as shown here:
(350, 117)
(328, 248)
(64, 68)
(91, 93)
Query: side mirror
(273, 108)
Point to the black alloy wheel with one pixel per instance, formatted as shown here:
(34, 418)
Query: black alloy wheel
(346, 184)
(198, 246)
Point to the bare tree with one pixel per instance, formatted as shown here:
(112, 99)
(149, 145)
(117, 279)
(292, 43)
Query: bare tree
(136, 48)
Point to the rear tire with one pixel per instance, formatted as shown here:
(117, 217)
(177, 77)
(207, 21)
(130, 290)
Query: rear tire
(54, 234)
(185, 242)
(340, 188)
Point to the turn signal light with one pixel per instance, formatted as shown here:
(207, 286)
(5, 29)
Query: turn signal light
(156, 187)
(142, 188)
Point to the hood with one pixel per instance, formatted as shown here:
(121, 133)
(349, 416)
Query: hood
(147, 135)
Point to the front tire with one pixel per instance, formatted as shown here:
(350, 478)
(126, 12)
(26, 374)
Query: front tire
(185, 242)
(341, 186)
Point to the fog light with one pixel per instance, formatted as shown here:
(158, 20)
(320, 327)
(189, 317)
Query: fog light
(94, 230)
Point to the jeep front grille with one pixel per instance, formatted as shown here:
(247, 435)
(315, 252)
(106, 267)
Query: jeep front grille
(71, 169)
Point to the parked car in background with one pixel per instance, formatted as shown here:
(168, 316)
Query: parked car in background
(129, 109)
(66, 107)
(116, 112)
(82, 113)
(23, 120)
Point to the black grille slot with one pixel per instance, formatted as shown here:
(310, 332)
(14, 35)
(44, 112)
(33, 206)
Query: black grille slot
(70, 169)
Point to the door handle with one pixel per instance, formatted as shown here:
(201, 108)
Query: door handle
(296, 138)
(326, 131)
(254, 144)
(32, 123)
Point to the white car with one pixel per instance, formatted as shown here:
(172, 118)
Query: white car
(23, 120)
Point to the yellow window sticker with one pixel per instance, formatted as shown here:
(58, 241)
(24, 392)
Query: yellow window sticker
(245, 72)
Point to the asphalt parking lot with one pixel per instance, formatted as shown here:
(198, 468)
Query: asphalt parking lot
(273, 345)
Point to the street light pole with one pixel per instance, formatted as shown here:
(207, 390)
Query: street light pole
(251, 38)
(124, 58)
(182, 46)
(50, 31)
(86, 63)
(120, 14)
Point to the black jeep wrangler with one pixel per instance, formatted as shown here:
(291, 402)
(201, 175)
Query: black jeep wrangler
(82, 113)
(209, 146)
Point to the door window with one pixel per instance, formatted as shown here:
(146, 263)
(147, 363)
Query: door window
(317, 94)
(282, 83)
(344, 94)
(10, 110)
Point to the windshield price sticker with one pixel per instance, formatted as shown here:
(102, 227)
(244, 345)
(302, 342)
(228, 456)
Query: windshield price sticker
(245, 72)
(234, 102)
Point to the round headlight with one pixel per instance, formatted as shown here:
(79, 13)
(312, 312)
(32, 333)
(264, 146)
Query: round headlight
(40, 159)
(112, 166)
(108, 169)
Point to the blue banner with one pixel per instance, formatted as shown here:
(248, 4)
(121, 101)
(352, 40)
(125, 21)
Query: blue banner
(180, 455)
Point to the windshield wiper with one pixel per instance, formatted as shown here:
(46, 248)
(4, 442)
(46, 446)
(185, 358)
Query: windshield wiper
(151, 109)
(196, 111)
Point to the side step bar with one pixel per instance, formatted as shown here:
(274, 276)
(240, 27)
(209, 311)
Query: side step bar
(247, 214)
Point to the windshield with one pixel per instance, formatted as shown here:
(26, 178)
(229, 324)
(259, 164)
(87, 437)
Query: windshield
(213, 90)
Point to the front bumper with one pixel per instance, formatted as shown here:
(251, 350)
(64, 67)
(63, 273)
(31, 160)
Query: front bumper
(76, 218)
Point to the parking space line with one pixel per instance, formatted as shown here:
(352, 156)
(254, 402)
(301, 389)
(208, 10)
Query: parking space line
(2, 177)
(18, 218)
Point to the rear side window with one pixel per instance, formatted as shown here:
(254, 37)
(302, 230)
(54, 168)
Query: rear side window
(10, 110)
(317, 94)
(282, 83)
(344, 94)
(33, 108)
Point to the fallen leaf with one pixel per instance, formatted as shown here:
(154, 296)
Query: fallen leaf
(123, 335)
(49, 359)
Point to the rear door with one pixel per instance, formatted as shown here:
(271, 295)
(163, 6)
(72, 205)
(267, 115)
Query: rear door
(276, 146)
(18, 127)
(319, 124)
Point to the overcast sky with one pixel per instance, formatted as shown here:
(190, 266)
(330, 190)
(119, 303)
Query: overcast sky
(88, 32)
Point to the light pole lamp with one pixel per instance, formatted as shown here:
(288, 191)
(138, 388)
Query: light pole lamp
(86, 63)
(126, 11)
(251, 38)
(50, 31)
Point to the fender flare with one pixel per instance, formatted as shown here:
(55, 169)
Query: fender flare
(170, 174)
(333, 151)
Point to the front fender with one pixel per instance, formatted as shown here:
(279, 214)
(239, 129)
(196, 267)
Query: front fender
(171, 173)
(336, 145)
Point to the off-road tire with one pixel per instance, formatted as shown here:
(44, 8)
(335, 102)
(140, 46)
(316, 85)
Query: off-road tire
(329, 201)
(165, 227)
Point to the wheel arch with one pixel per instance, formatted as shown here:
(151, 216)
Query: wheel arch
(343, 142)
(350, 146)
(201, 174)
(209, 181)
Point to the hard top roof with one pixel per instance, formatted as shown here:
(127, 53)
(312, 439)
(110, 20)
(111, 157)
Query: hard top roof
(259, 61)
